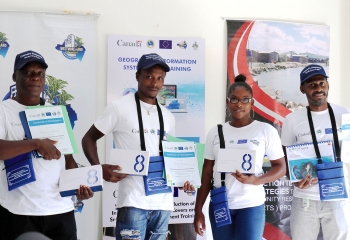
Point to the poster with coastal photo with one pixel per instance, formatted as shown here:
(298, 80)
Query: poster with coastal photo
(271, 55)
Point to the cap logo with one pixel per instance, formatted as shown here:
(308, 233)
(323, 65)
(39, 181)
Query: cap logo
(31, 54)
(311, 69)
(155, 57)
(151, 59)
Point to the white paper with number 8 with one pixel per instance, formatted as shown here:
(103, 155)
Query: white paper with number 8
(71, 179)
(133, 162)
(230, 160)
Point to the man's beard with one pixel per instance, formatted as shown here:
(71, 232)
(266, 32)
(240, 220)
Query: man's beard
(317, 102)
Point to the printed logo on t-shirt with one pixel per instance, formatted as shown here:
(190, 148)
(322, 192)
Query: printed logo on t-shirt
(152, 131)
(16, 124)
(303, 134)
(255, 142)
(216, 140)
(158, 132)
(319, 131)
(138, 131)
(231, 141)
(328, 131)
(242, 141)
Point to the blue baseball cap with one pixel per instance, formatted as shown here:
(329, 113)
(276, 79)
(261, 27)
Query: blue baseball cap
(151, 59)
(26, 57)
(311, 70)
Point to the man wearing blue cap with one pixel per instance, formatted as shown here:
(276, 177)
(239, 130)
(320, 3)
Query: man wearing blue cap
(309, 214)
(140, 216)
(36, 206)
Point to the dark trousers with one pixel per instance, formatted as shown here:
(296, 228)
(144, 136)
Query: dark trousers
(60, 226)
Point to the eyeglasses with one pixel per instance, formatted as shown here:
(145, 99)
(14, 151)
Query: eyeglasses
(235, 100)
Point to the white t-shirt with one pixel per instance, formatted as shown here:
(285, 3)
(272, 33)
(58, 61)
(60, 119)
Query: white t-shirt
(120, 119)
(296, 130)
(36, 198)
(258, 136)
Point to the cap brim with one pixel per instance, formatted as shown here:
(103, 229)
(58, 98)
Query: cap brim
(312, 76)
(38, 61)
(162, 64)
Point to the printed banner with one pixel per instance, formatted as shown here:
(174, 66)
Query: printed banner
(271, 55)
(184, 84)
(68, 44)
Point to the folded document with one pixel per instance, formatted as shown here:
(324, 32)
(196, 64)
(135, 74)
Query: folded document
(71, 179)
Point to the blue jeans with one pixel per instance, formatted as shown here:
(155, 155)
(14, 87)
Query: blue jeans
(247, 224)
(140, 224)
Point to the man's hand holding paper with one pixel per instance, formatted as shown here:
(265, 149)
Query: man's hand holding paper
(110, 175)
(306, 182)
(47, 149)
(84, 192)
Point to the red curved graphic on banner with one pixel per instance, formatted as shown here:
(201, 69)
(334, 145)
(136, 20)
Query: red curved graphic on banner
(232, 49)
(242, 36)
(273, 233)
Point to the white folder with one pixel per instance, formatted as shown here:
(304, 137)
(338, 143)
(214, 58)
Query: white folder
(71, 179)
(230, 160)
(133, 162)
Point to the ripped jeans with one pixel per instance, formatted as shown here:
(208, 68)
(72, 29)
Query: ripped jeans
(139, 224)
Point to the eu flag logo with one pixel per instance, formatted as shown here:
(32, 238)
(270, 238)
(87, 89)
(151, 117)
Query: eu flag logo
(165, 44)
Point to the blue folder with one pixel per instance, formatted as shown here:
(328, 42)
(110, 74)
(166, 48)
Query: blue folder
(23, 118)
(220, 206)
(154, 182)
(19, 171)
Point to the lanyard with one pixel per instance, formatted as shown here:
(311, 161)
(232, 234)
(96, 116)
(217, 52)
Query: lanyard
(142, 133)
(334, 130)
(222, 145)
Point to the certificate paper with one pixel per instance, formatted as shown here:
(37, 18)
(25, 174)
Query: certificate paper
(181, 163)
(345, 151)
(52, 122)
(345, 146)
(345, 126)
(302, 159)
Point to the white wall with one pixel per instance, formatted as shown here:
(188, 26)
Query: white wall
(203, 18)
